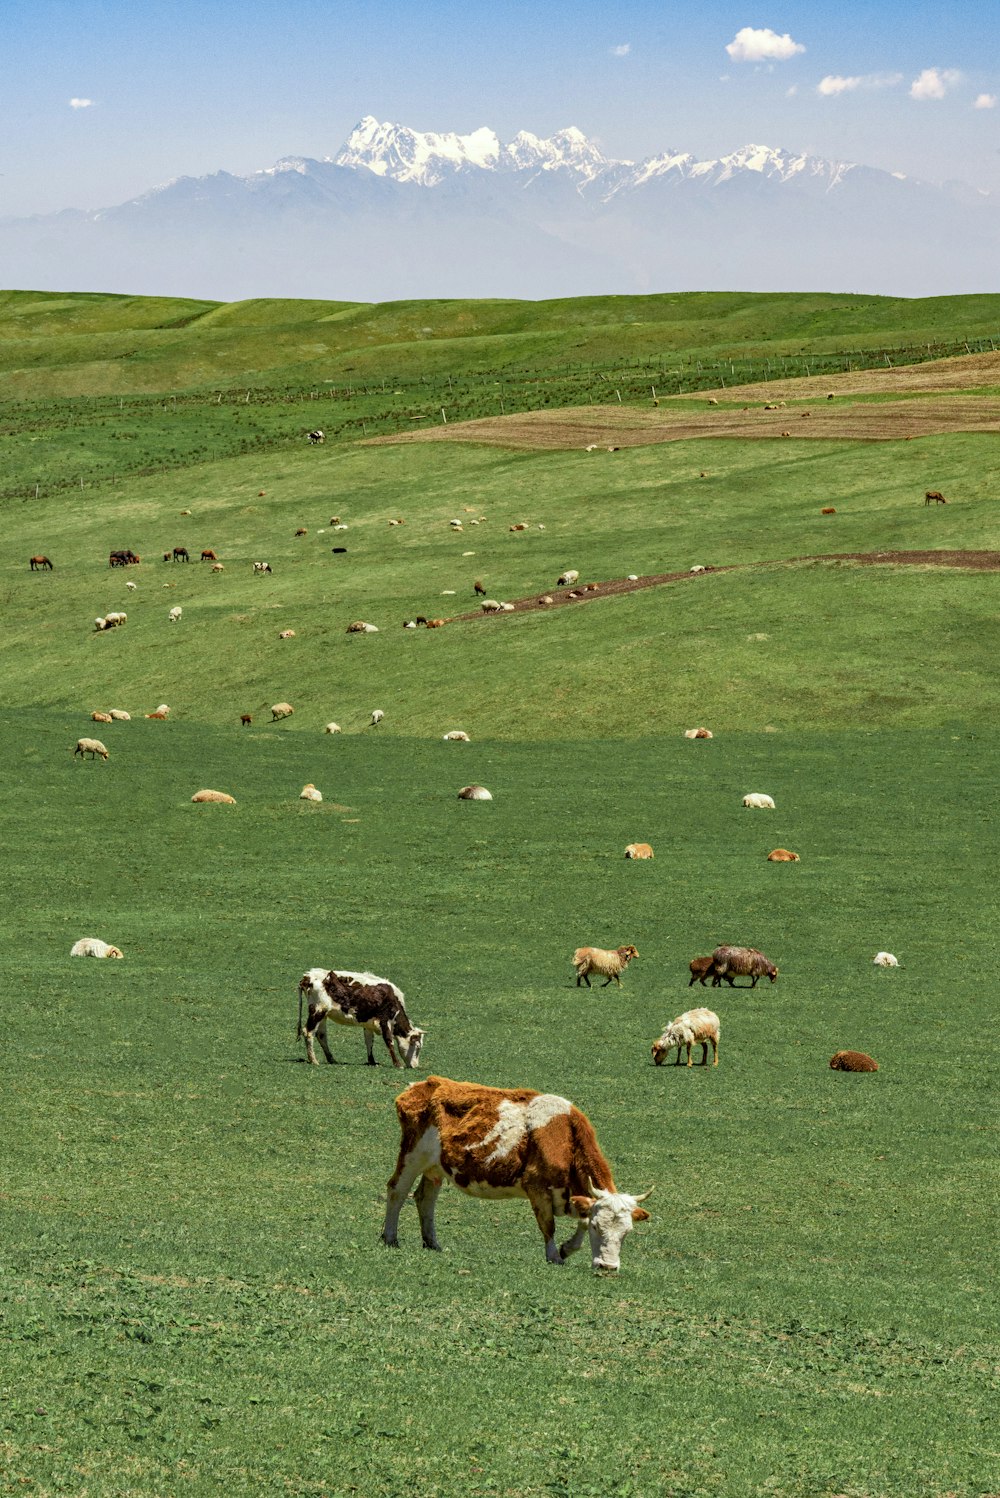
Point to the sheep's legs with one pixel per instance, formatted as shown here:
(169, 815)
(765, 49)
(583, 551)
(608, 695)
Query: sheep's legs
(582, 978)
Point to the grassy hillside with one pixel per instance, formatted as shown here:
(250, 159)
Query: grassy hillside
(192, 1295)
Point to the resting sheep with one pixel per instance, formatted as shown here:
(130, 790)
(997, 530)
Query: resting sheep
(782, 855)
(474, 793)
(603, 964)
(118, 715)
(741, 962)
(698, 733)
(93, 747)
(286, 634)
(760, 802)
(852, 1061)
(92, 946)
(219, 796)
(457, 735)
(638, 850)
(281, 710)
(359, 627)
(310, 793)
(885, 959)
(101, 718)
(688, 1029)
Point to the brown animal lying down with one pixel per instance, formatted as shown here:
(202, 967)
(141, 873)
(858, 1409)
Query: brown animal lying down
(852, 1061)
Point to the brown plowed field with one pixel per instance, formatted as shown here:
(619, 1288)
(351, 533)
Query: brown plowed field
(934, 398)
(972, 561)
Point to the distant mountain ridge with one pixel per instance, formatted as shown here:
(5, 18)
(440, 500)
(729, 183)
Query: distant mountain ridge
(398, 213)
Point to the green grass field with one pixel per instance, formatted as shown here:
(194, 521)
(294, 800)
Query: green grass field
(192, 1294)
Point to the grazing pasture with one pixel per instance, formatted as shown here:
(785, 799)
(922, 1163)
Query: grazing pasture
(193, 1298)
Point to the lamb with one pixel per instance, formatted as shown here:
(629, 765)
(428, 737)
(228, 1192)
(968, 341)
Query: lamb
(458, 735)
(829, 510)
(741, 962)
(567, 579)
(281, 710)
(302, 531)
(474, 793)
(93, 747)
(638, 850)
(332, 728)
(759, 801)
(604, 964)
(478, 589)
(701, 968)
(782, 855)
(310, 793)
(688, 1029)
(175, 613)
(885, 959)
(852, 1061)
(219, 796)
(92, 946)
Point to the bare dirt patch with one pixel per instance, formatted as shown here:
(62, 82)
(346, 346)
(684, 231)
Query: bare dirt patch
(971, 561)
(933, 399)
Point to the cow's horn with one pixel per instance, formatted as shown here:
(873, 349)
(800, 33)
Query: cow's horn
(642, 1198)
(592, 1190)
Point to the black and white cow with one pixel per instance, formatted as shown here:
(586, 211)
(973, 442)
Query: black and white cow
(360, 999)
(316, 436)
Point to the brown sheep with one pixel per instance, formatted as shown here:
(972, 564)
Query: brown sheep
(701, 968)
(602, 963)
(478, 589)
(302, 531)
(741, 962)
(246, 719)
(638, 850)
(436, 623)
(782, 855)
(852, 1061)
(219, 796)
(101, 718)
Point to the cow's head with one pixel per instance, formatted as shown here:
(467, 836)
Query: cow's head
(609, 1215)
(409, 1049)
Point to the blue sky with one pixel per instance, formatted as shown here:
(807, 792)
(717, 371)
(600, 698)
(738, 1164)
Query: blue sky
(103, 99)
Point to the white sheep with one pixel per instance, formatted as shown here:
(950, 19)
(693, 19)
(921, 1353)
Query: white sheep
(113, 620)
(286, 634)
(567, 579)
(699, 733)
(218, 567)
(93, 747)
(92, 946)
(885, 959)
(688, 1029)
(758, 800)
(491, 606)
(332, 728)
(131, 587)
(310, 793)
(175, 613)
(281, 710)
(377, 717)
(119, 715)
(699, 568)
(474, 793)
(458, 735)
(100, 623)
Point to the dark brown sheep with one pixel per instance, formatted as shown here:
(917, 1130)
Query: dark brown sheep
(852, 1061)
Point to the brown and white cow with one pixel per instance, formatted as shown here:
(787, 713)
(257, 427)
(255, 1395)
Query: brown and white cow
(497, 1142)
(359, 999)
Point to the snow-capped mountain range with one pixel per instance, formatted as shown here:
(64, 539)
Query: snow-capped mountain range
(399, 213)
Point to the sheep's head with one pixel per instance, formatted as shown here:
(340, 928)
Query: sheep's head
(627, 953)
(772, 972)
(114, 952)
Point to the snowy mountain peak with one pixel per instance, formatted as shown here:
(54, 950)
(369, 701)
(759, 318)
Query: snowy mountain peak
(416, 156)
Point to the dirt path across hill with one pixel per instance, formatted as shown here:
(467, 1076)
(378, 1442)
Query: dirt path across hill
(971, 561)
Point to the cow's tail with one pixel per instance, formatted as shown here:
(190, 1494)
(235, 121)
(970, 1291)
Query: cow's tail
(298, 1032)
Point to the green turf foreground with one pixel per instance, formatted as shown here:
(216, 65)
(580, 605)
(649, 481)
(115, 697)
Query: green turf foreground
(192, 1296)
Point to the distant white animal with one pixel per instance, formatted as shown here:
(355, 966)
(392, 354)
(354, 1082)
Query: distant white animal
(119, 715)
(458, 735)
(131, 587)
(92, 946)
(262, 566)
(377, 716)
(93, 747)
(885, 959)
(175, 613)
(567, 579)
(759, 801)
(474, 793)
(332, 728)
(316, 436)
(310, 793)
(699, 569)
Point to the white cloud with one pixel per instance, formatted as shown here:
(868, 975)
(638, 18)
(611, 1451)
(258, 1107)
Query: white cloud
(790, 93)
(621, 51)
(834, 83)
(758, 44)
(985, 101)
(81, 103)
(933, 83)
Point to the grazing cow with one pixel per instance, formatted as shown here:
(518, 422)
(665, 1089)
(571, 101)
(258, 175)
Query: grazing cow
(934, 496)
(209, 556)
(497, 1142)
(43, 563)
(181, 554)
(315, 437)
(357, 999)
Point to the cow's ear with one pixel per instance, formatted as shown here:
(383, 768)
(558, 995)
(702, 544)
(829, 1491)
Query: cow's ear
(639, 1214)
(582, 1204)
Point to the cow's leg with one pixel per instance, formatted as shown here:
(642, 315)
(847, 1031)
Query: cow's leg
(573, 1243)
(369, 1047)
(425, 1197)
(423, 1155)
(387, 1036)
(317, 1027)
(541, 1205)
